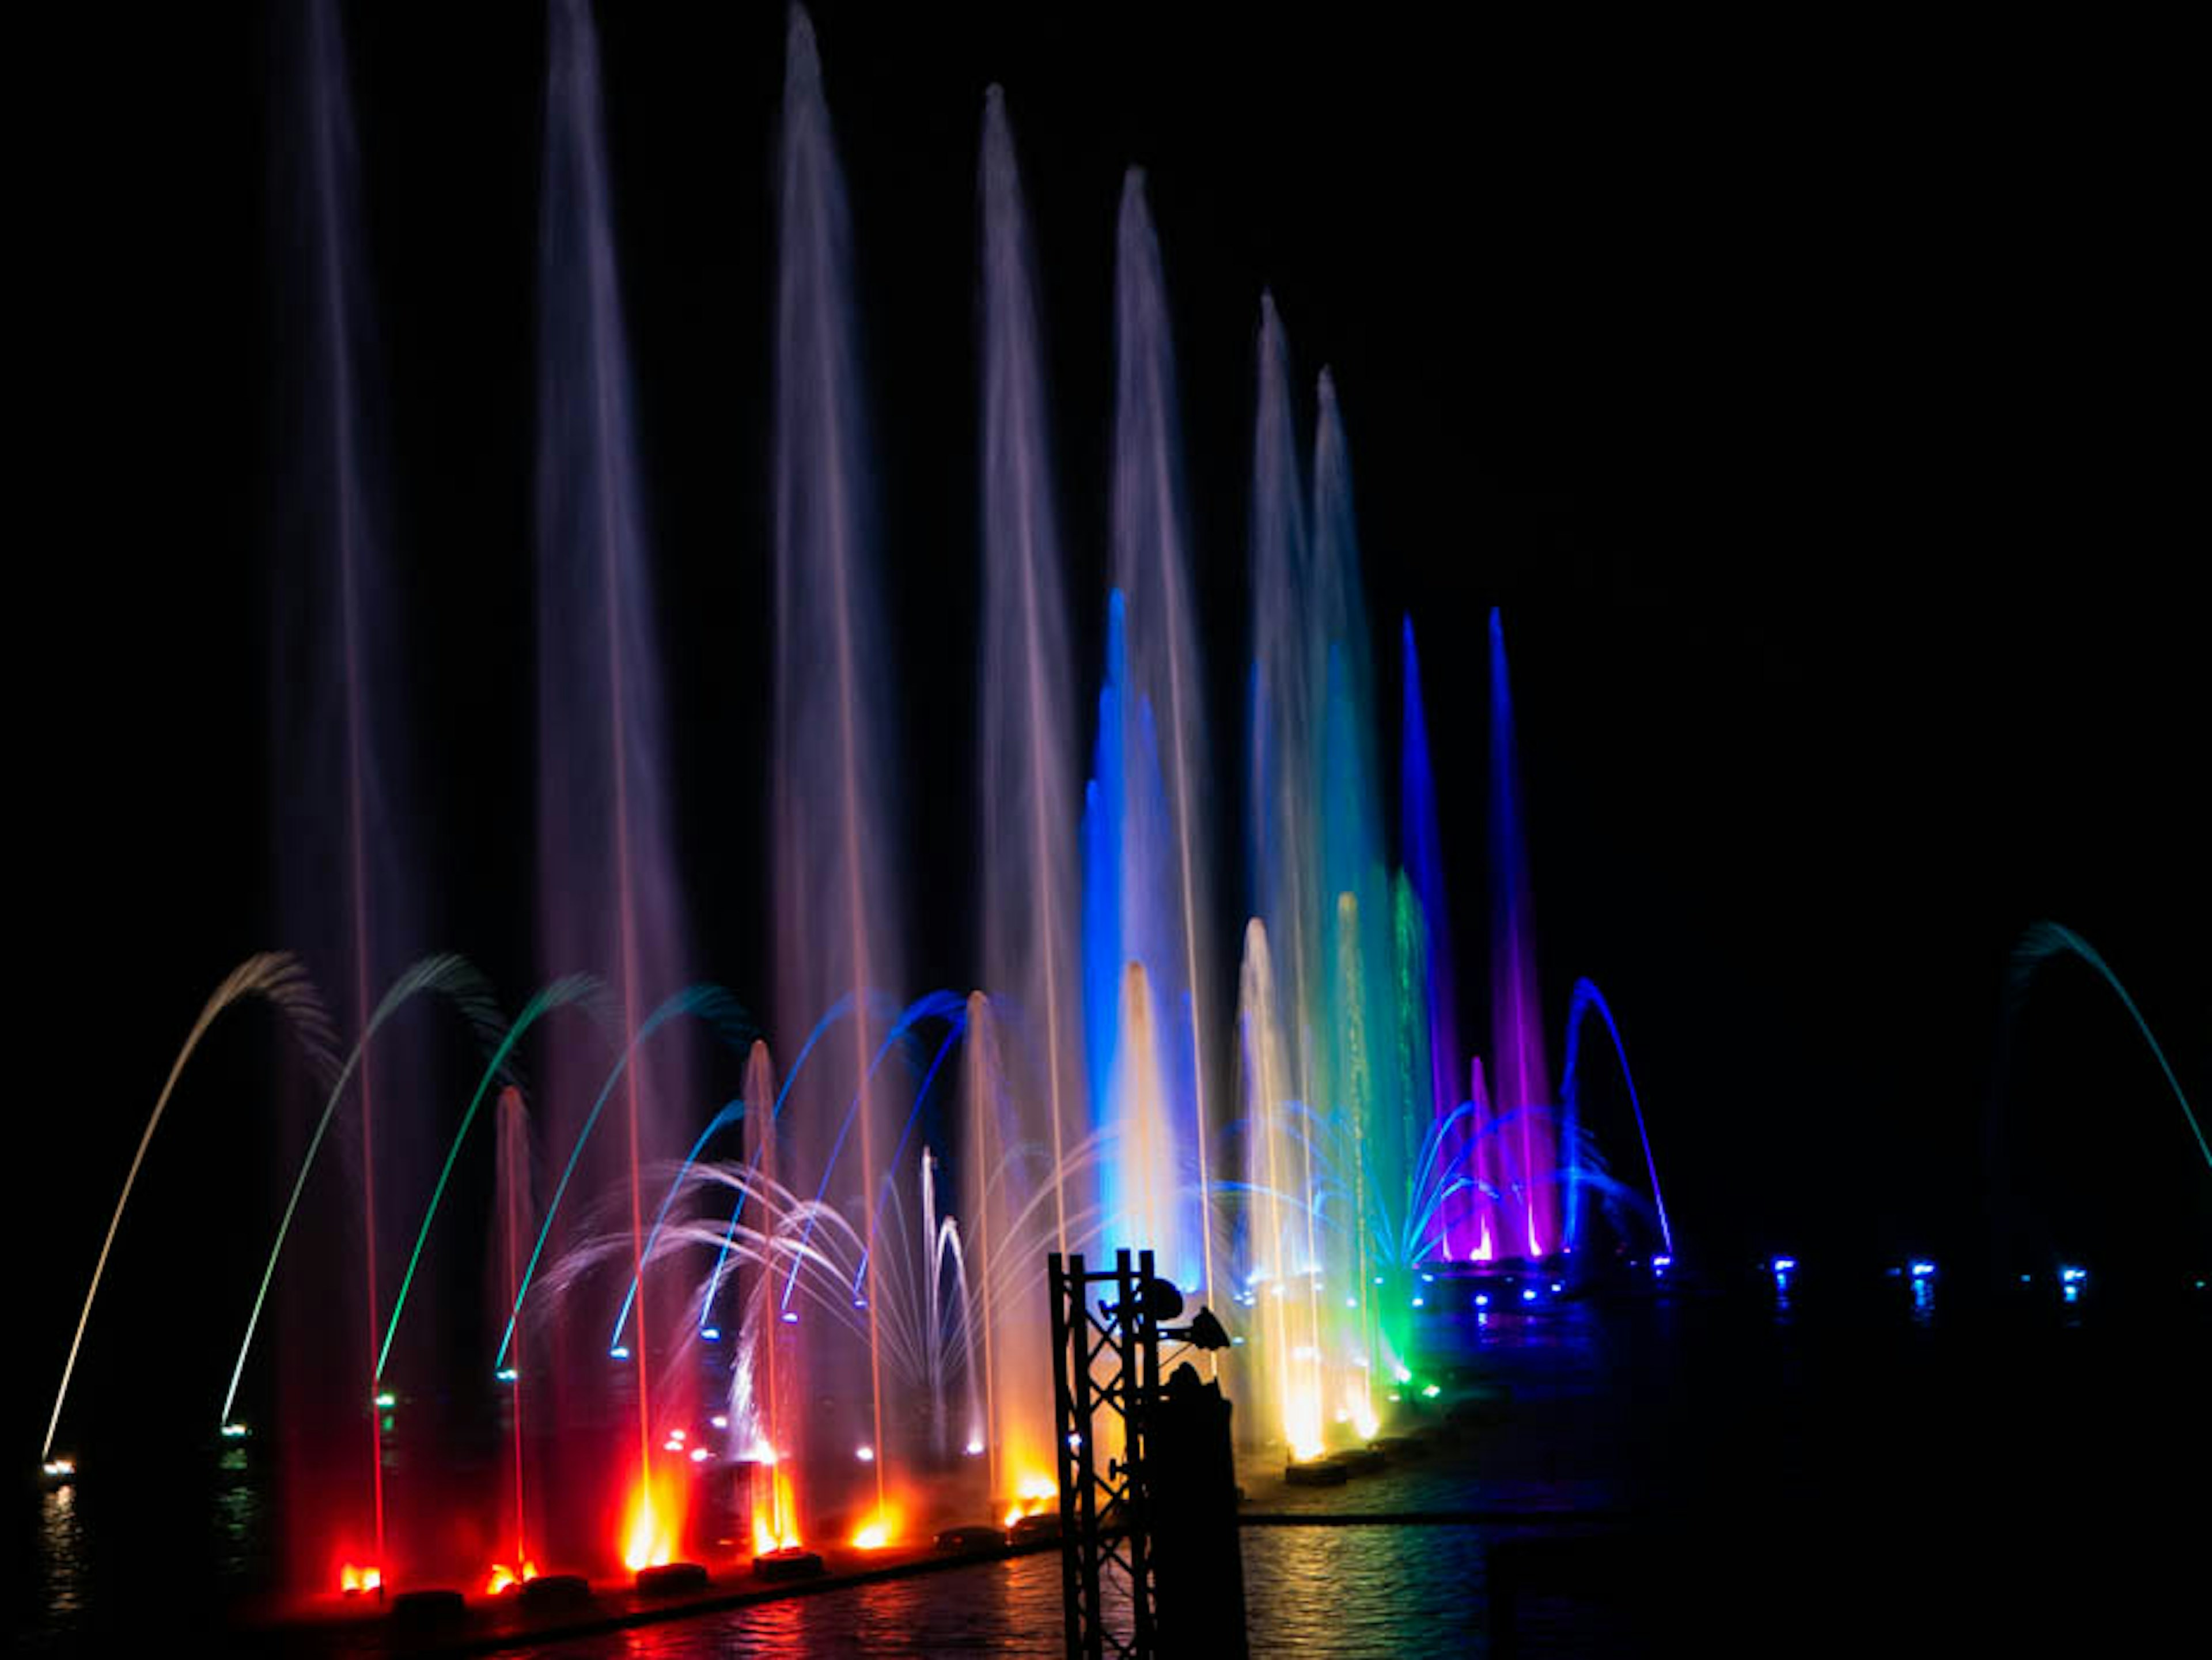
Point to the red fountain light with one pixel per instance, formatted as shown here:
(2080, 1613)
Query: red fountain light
(354, 1581)
(504, 1578)
(880, 1530)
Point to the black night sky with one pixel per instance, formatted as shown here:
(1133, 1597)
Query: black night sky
(1813, 405)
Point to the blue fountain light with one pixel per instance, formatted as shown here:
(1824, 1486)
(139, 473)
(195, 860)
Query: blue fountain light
(1921, 1268)
(1784, 1264)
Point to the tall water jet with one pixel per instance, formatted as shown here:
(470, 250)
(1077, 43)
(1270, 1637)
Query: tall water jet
(1030, 873)
(608, 894)
(836, 914)
(764, 1383)
(1163, 880)
(1457, 1229)
(1520, 1079)
(1283, 791)
(1013, 1206)
(1323, 887)
(1355, 881)
(345, 836)
(514, 1213)
(1285, 1396)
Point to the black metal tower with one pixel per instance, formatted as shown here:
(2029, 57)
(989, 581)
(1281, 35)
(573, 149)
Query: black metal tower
(1106, 1375)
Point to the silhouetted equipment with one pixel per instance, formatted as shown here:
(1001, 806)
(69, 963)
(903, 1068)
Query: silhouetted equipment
(1203, 1332)
(1156, 1532)
(417, 1610)
(1198, 1569)
(1105, 1359)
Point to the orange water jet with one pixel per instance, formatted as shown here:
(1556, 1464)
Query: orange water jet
(653, 1525)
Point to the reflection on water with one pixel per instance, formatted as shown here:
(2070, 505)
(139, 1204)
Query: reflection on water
(239, 1544)
(1690, 1464)
(997, 1609)
(1375, 1590)
(61, 1548)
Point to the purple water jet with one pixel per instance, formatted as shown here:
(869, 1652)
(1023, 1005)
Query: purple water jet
(609, 899)
(838, 922)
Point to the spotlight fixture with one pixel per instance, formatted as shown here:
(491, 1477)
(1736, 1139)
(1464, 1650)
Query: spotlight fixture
(1203, 1332)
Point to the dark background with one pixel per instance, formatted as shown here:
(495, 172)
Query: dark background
(1818, 408)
